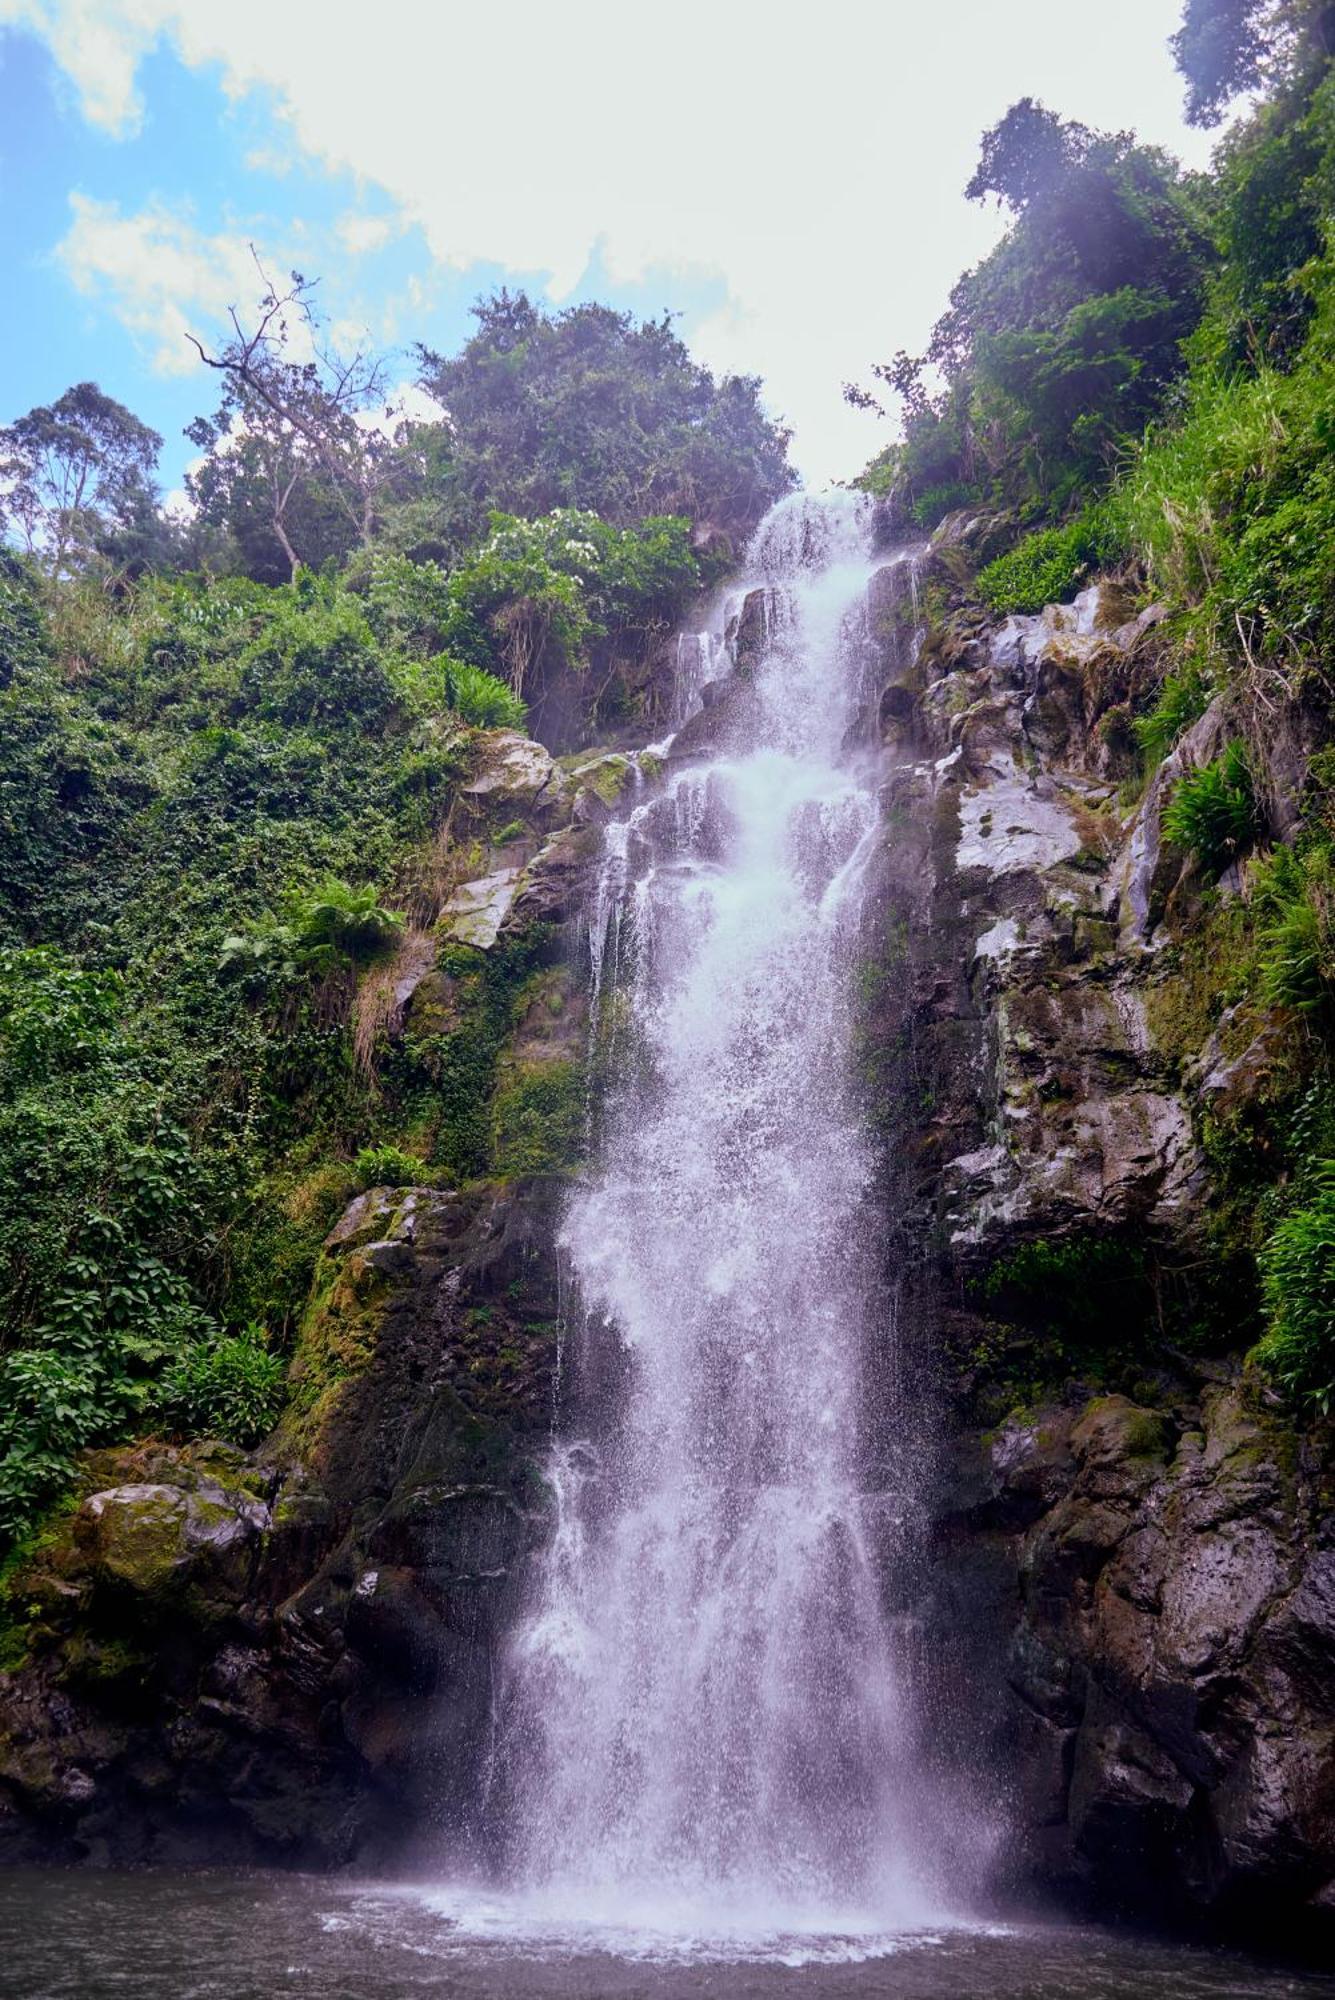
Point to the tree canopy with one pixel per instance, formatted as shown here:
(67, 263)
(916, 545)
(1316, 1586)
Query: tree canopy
(1063, 340)
(75, 476)
(588, 408)
(1226, 47)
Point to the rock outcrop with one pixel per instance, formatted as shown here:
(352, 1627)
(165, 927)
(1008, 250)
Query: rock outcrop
(288, 1656)
(1125, 1602)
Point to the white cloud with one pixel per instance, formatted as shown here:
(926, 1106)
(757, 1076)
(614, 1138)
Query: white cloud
(360, 233)
(99, 48)
(406, 403)
(811, 157)
(163, 278)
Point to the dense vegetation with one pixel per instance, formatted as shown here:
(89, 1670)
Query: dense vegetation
(231, 745)
(1141, 378)
(230, 758)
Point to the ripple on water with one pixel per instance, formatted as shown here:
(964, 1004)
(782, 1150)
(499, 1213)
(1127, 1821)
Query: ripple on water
(220, 1936)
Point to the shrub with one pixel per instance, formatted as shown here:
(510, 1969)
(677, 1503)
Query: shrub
(933, 503)
(229, 1387)
(1183, 488)
(1294, 894)
(1050, 566)
(316, 660)
(1298, 1291)
(481, 698)
(389, 1166)
(24, 643)
(262, 956)
(1232, 511)
(1212, 812)
(1182, 699)
(338, 921)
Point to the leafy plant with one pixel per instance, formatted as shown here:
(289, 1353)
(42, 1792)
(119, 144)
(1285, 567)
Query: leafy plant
(1182, 699)
(389, 1166)
(336, 920)
(263, 955)
(481, 698)
(1212, 811)
(229, 1386)
(1294, 893)
(1298, 1290)
(1049, 567)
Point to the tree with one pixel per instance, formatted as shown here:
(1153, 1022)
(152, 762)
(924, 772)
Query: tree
(1063, 340)
(1024, 153)
(590, 409)
(260, 493)
(1226, 47)
(291, 439)
(74, 474)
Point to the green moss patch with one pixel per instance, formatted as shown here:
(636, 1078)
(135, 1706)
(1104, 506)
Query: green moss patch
(537, 1118)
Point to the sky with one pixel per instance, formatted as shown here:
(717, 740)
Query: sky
(787, 176)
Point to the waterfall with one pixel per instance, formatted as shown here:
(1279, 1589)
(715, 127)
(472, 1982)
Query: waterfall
(704, 1718)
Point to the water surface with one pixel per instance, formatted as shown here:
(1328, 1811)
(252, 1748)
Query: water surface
(162, 1936)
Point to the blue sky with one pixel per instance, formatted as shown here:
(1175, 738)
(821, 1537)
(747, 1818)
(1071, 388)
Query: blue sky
(787, 181)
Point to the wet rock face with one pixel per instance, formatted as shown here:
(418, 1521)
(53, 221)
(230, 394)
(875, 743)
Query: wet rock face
(1163, 1714)
(288, 1656)
(1128, 1600)
(1053, 1109)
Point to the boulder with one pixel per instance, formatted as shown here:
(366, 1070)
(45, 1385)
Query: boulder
(475, 911)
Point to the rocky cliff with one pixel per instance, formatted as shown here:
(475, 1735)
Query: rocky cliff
(1124, 1596)
(1127, 1608)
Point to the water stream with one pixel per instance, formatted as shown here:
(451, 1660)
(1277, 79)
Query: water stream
(704, 1726)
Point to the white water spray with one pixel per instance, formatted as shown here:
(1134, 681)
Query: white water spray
(705, 1728)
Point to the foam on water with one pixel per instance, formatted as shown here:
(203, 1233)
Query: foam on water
(655, 1931)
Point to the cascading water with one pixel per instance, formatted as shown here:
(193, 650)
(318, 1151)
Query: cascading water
(704, 1725)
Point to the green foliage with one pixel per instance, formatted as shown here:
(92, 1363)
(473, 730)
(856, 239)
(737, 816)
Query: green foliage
(1226, 47)
(102, 1202)
(334, 921)
(1079, 1284)
(1063, 342)
(328, 925)
(210, 788)
(587, 409)
(537, 1118)
(1213, 812)
(1050, 566)
(24, 643)
(229, 1387)
(535, 599)
(1183, 696)
(1274, 204)
(1293, 894)
(1298, 1292)
(315, 660)
(389, 1166)
(451, 1078)
(480, 698)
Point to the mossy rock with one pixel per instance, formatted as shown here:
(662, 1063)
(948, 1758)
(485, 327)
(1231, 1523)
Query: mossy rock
(537, 1117)
(341, 1326)
(1114, 1430)
(604, 774)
